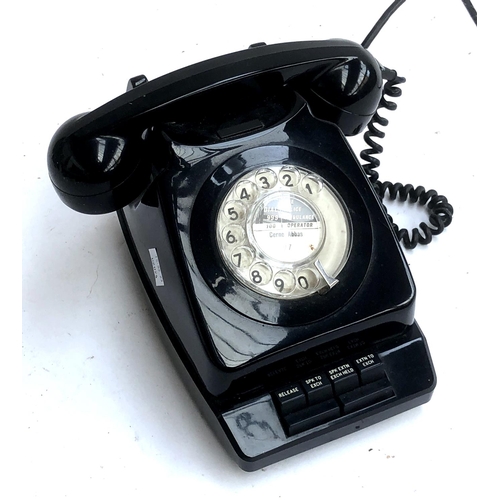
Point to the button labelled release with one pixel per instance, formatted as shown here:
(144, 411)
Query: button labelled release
(290, 398)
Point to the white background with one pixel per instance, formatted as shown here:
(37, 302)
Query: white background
(103, 413)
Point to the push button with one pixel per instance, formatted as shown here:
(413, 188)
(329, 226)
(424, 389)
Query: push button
(257, 44)
(366, 395)
(136, 81)
(369, 367)
(317, 388)
(310, 417)
(290, 398)
(343, 377)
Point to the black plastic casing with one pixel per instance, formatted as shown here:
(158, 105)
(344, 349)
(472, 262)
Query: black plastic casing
(165, 153)
(371, 309)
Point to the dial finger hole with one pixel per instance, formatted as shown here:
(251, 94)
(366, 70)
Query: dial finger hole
(234, 211)
(233, 235)
(289, 176)
(307, 279)
(246, 191)
(284, 282)
(311, 185)
(260, 274)
(266, 178)
(242, 257)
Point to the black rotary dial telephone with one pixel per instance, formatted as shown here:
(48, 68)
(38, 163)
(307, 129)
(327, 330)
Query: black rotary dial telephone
(261, 241)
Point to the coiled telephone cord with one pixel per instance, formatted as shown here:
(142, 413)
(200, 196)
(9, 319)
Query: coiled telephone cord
(440, 212)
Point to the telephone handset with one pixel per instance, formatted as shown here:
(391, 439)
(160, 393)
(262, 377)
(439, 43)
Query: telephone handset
(265, 75)
(260, 240)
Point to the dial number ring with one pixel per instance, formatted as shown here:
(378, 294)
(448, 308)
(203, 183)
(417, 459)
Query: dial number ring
(283, 232)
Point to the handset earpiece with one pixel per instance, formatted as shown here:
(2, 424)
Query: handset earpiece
(347, 93)
(97, 174)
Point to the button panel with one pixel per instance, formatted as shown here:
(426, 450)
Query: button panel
(339, 389)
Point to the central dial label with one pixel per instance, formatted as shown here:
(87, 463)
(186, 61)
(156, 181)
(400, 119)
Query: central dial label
(286, 228)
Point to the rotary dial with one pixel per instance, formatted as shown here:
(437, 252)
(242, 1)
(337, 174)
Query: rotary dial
(283, 232)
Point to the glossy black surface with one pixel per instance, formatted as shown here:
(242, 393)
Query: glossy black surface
(258, 434)
(365, 293)
(244, 330)
(98, 173)
(165, 154)
(200, 240)
(246, 418)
